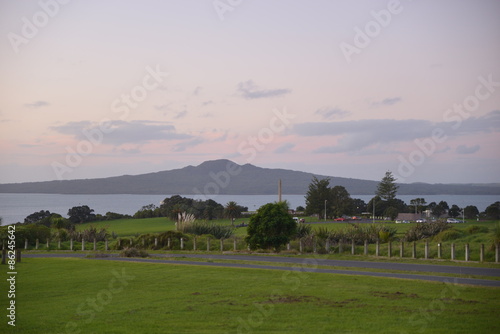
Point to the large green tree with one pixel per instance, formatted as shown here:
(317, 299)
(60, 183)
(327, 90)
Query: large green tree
(493, 211)
(81, 214)
(318, 192)
(271, 227)
(471, 212)
(341, 201)
(387, 188)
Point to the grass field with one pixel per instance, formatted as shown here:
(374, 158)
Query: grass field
(94, 296)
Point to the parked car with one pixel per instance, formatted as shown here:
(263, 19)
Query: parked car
(421, 221)
(340, 219)
(454, 221)
(402, 222)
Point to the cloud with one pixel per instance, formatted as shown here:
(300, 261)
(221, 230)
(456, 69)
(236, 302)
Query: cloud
(357, 135)
(180, 114)
(37, 104)
(249, 90)
(464, 149)
(332, 113)
(180, 147)
(162, 107)
(387, 101)
(197, 91)
(123, 132)
(206, 103)
(285, 148)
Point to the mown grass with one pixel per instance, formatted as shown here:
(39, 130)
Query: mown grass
(83, 296)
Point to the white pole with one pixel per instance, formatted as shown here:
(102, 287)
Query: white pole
(325, 210)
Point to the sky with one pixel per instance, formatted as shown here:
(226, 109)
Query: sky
(93, 89)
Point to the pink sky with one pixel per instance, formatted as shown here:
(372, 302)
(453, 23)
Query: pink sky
(421, 68)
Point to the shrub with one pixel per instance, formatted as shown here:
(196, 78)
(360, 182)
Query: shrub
(218, 231)
(450, 234)
(425, 230)
(476, 229)
(133, 252)
(303, 231)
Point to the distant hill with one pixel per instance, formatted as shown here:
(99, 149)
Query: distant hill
(211, 177)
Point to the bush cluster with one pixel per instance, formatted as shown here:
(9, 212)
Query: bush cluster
(425, 230)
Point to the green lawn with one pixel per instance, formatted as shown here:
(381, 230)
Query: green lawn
(95, 296)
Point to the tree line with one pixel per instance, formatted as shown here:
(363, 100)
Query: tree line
(322, 199)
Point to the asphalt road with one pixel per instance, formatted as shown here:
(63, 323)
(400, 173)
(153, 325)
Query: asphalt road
(311, 265)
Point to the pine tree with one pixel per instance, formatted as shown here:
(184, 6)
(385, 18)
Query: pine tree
(387, 188)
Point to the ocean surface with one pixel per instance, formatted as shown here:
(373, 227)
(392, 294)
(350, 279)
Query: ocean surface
(15, 207)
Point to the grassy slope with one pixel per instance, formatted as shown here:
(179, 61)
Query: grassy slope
(184, 299)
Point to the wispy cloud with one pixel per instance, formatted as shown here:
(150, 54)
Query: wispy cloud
(37, 104)
(357, 135)
(332, 113)
(387, 101)
(285, 148)
(124, 132)
(464, 149)
(187, 144)
(249, 90)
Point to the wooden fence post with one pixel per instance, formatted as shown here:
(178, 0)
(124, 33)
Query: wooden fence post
(36, 245)
(389, 248)
(314, 244)
(426, 251)
(194, 243)
(221, 244)
(95, 244)
(168, 243)
(414, 250)
(156, 242)
(452, 257)
(353, 250)
(439, 250)
(71, 244)
(341, 246)
(467, 254)
(301, 246)
(377, 248)
(59, 243)
(182, 243)
(481, 253)
(366, 247)
(25, 243)
(106, 244)
(83, 244)
(402, 249)
(235, 245)
(327, 245)
(48, 243)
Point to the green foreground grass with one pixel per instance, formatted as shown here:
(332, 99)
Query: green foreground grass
(95, 296)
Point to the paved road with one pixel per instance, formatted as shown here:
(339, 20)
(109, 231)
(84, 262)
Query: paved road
(310, 265)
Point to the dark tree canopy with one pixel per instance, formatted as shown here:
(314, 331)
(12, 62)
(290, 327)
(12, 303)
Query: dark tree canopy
(493, 211)
(81, 214)
(37, 216)
(471, 212)
(271, 227)
(319, 191)
(387, 187)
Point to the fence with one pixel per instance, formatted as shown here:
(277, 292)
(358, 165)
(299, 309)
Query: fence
(414, 250)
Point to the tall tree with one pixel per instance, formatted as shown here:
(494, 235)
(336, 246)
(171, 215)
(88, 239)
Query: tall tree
(471, 212)
(341, 201)
(454, 211)
(318, 193)
(81, 214)
(419, 204)
(271, 227)
(233, 210)
(387, 188)
(493, 211)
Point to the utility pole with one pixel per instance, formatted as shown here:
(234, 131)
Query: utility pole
(279, 191)
(325, 209)
(373, 217)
